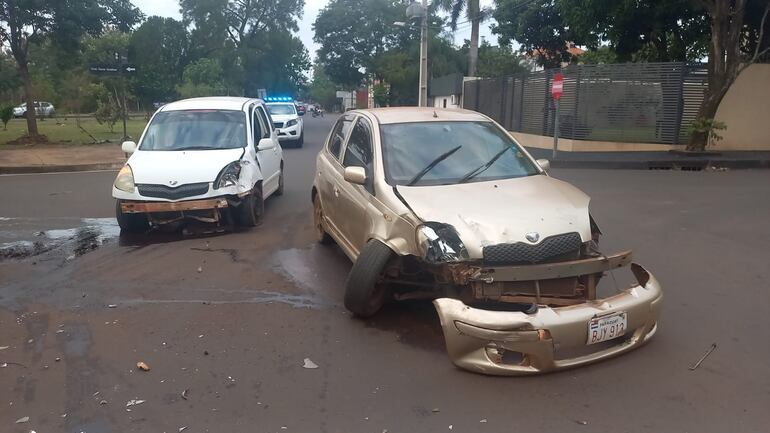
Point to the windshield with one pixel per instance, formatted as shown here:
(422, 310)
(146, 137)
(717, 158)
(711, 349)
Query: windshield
(441, 153)
(279, 109)
(196, 130)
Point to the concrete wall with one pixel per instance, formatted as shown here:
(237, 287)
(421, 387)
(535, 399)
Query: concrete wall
(569, 145)
(746, 111)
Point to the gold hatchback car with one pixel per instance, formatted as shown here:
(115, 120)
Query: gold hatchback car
(445, 205)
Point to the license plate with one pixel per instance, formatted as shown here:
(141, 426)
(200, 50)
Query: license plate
(607, 327)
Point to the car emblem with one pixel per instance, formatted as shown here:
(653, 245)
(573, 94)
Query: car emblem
(172, 182)
(532, 236)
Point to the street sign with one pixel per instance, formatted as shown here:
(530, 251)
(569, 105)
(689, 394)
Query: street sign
(101, 69)
(557, 86)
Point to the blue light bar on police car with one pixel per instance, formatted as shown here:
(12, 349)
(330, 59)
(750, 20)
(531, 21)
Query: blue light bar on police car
(278, 99)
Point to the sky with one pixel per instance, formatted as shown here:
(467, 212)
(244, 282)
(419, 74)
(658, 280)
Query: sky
(170, 8)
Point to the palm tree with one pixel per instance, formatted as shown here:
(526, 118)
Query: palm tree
(475, 16)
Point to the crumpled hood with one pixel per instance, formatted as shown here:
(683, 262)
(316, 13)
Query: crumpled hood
(503, 211)
(182, 167)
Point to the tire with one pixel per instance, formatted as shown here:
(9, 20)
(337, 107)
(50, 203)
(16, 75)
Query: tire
(252, 208)
(301, 140)
(364, 293)
(321, 235)
(131, 222)
(279, 191)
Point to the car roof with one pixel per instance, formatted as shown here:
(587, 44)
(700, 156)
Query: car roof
(422, 114)
(210, 102)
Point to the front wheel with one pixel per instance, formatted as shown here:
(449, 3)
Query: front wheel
(130, 222)
(279, 191)
(301, 140)
(252, 208)
(365, 293)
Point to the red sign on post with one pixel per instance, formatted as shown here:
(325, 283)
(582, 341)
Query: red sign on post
(557, 85)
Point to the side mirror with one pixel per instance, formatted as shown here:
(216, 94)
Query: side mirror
(355, 175)
(265, 144)
(128, 147)
(544, 164)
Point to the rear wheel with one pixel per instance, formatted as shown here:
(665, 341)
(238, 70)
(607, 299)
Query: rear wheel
(130, 222)
(365, 293)
(252, 208)
(318, 215)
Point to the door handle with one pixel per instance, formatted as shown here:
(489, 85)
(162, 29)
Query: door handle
(336, 192)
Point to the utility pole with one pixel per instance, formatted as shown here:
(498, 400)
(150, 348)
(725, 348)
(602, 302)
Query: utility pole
(423, 100)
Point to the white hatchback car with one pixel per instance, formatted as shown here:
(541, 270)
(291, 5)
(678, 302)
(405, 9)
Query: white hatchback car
(288, 122)
(210, 159)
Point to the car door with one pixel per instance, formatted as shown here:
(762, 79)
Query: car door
(329, 168)
(354, 199)
(269, 159)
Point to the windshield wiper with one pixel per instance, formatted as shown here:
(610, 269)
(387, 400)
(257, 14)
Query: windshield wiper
(197, 148)
(482, 168)
(430, 166)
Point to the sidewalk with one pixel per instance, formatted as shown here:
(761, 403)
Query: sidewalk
(60, 158)
(656, 160)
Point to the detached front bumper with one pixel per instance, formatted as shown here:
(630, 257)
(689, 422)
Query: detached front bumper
(509, 343)
(179, 206)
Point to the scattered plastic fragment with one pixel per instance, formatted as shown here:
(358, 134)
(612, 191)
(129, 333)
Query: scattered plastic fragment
(184, 393)
(483, 420)
(435, 410)
(22, 420)
(102, 403)
(705, 355)
(181, 429)
(134, 402)
(112, 306)
(309, 364)
(142, 366)
(4, 347)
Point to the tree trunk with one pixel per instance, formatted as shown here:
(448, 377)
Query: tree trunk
(473, 52)
(26, 80)
(708, 109)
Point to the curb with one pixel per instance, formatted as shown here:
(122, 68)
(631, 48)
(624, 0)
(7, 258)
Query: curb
(683, 165)
(32, 169)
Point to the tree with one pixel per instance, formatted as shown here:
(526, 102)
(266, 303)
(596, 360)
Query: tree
(202, 78)
(726, 58)
(538, 26)
(475, 15)
(275, 60)
(159, 49)
(322, 90)
(498, 61)
(353, 33)
(28, 22)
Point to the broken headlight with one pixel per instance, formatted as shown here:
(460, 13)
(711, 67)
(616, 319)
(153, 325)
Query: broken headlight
(228, 176)
(440, 243)
(125, 179)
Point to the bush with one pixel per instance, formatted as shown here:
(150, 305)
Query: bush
(6, 114)
(108, 111)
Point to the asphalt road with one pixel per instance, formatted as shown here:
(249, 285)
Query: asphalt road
(225, 321)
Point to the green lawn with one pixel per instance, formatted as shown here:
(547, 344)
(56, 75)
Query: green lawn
(65, 130)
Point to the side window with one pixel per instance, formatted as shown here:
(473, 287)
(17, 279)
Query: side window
(268, 125)
(359, 151)
(339, 133)
(257, 127)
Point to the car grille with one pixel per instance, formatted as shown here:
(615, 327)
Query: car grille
(278, 124)
(167, 192)
(558, 247)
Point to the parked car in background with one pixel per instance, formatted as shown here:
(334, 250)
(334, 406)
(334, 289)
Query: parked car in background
(445, 205)
(208, 159)
(287, 120)
(42, 109)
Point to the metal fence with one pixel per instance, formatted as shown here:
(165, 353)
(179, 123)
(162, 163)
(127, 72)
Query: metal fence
(630, 102)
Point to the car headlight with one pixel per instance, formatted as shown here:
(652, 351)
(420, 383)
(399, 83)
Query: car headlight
(291, 122)
(125, 179)
(228, 176)
(440, 243)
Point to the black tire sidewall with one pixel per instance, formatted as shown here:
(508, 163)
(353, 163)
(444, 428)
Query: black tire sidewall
(363, 296)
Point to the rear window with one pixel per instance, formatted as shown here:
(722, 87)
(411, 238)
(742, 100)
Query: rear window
(196, 130)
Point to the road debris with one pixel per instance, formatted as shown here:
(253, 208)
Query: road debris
(200, 269)
(309, 364)
(57, 359)
(181, 429)
(134, 402)
(435, 410)
(102, 403)
(22, 420)
(581, 422)
(4, 347)
(451, 426)
(184, 393)
(112, 306)
(705, 355)
(483, 420)
(142, 366)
